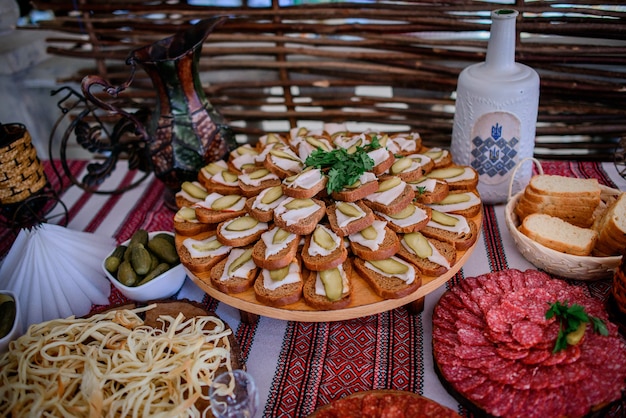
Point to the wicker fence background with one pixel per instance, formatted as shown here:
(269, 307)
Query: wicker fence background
(389, 63)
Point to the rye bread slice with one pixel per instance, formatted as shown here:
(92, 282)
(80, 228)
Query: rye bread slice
(232, 284)
(189, 229)
(352, 227)
(283, 295)
(388, 248)
(468, 180)
(425, 194)
(322, 302)
(199, 264)
(424, 265)
(323, 262)
(244, 238)
(211, 216)
(275, 261)
(397, 205)
(358, 193)
(468, 209)
(460, 241)
(386, 287)
(305, 226)
(249, 190)
(422, 214)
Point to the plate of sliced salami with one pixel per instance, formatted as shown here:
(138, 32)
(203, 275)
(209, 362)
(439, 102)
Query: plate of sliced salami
(500, 349)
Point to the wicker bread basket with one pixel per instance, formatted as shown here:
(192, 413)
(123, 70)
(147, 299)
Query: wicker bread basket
(554, 262)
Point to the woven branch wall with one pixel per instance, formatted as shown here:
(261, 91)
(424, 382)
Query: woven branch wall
(382, 63)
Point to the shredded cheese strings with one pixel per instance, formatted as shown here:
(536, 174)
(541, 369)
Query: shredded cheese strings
(112, 365)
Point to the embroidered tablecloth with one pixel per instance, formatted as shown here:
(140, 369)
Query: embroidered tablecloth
(301, 366)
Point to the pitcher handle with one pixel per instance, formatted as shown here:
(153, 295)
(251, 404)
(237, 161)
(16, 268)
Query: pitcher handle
(113, 91)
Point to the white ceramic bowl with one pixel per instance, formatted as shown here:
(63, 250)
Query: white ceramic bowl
(161, 287)
(16, 330)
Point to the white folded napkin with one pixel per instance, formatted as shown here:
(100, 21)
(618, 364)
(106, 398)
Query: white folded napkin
(56, 272)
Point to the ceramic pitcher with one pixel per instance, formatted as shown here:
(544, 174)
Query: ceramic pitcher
(184, 132)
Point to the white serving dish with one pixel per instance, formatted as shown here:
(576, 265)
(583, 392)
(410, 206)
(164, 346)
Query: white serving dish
(161, 287)
(16, 330)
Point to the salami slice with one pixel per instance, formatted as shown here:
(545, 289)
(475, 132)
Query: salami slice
(527, 333)
(472, 337)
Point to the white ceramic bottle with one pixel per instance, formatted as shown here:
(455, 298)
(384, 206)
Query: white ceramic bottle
(496, 113)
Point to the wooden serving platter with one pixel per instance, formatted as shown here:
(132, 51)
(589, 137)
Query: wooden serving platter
(364, 300)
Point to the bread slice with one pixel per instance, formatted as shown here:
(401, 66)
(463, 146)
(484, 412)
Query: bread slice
(466, 203)
(183, 198)
(582, 216)
(261, 207)
(283, 162)
(305, 184)
(323, 249)
(406, 143)
(273, 253)
(315, 294)
(213, 209)
(559, 235)
(224, 182)
(440, 157)
(383, 159)
(367, 184)
(241, 231)
(186, 223)
(300, 221)
(429, 190)
(283, 292)
(532, 196)
(349, 217)
(456, 230)
(201, 253)
(408, 168)
(236, 273)
(389, 286)
(439, 261)
(257, 180)
(413, 218)
(376, 242)
(458, 177)
(612, 229)
(563, 186)
(402, 199)
(243, 159)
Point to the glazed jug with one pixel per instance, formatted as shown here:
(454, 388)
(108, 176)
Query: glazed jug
(183, 132)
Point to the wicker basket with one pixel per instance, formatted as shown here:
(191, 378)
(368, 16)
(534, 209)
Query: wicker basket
(21, 172)
(554, 262)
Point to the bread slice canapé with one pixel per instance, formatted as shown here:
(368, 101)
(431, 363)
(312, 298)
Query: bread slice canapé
(236, 273)
(280, 287)
(329, 289)
(390, 278)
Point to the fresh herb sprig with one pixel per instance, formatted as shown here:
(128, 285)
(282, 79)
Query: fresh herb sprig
(344, 168)
(570, 319)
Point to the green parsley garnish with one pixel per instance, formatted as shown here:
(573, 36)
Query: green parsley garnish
(344, 168)
(570, 319)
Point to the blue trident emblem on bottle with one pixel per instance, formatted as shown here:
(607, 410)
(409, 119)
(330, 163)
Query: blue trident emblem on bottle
(494, 151)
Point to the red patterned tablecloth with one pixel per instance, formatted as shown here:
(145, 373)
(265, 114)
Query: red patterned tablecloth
(301, 366)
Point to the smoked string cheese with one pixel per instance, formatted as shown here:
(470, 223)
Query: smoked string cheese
(111, 365)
